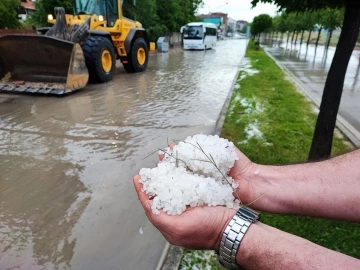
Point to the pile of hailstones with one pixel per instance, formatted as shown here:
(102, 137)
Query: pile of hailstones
(189, 175)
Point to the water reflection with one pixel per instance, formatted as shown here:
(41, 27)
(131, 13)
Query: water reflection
(40, 202)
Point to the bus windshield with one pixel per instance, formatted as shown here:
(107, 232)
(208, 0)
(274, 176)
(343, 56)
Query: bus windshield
(193, 32)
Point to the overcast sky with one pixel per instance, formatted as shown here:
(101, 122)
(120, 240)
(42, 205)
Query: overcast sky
(237, 9)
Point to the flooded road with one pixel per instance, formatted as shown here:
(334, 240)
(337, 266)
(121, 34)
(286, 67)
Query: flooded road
(66, 194)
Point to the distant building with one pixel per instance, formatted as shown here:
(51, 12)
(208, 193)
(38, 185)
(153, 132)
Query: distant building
(218, 18)
(231, 24)
(240, 25)
(27, 7)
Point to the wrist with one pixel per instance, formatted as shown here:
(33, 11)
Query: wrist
(268, 188)
(233, 234)
(228, 215)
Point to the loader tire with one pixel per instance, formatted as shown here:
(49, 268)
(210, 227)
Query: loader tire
(129, 67)
(100, 59)
(138, 58)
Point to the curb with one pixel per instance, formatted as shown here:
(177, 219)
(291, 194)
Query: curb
(163, 258)
(221, 119)
(172, 259)
(341, 123)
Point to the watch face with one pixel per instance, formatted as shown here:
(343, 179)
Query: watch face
(248, 213)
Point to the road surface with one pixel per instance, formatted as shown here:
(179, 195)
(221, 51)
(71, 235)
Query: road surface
(66, 194)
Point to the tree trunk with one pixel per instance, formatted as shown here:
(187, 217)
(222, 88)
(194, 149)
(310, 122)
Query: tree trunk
(302, 36)
(325, 124)
(328, 43)
(296, 37)
(308, 40)
(287, 41)
(307, 44)
(318, 37)
(292, 38)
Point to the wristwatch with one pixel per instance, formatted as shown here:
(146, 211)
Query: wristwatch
(233, 235)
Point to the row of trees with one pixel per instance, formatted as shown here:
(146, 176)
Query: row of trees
(325, 125)
(295, 23)
(158, 16)
(299, 22)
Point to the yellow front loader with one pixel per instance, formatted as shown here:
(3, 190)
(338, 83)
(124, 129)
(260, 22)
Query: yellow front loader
(76, 49)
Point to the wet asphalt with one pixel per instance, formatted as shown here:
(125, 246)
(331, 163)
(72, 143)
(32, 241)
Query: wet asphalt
(66, 194)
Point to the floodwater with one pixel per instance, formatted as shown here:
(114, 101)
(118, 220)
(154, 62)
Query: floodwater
(66, 195)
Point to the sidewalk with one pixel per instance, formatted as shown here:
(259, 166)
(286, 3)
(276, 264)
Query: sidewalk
(309, 72)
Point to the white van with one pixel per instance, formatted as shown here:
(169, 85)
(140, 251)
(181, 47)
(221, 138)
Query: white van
(199, 36)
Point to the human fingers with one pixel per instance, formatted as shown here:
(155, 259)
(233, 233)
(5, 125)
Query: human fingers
(143, 197)
(172, 145)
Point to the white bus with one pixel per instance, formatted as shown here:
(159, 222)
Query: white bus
(199, 36)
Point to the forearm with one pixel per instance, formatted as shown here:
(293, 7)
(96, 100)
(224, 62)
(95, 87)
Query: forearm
(329, 188)
(264, 247)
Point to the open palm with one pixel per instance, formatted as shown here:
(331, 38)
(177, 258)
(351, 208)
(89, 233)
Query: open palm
(196, 228)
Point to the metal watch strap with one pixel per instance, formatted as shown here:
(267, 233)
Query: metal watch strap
(233, 235)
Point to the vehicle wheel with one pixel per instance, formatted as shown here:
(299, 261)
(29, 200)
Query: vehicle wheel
(129, 67)
(139, 56)
(2, 68)
(100, 58)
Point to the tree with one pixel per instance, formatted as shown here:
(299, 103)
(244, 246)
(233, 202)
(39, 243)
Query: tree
(291, 26)
(275, 25)
(306, 22)
(174, 14)
(318, 13)
(331, 19)
(45, 7)
(282, 27)
(325, 124)
(260, 24)
(9, 11)
(309, 18)
(145, 11)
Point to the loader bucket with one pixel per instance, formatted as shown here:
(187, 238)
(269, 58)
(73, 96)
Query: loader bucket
(41, 64)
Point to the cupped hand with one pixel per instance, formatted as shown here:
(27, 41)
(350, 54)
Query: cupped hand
(243, 173)
(196, 228)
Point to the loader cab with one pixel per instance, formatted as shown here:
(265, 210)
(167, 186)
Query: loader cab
(109, 9)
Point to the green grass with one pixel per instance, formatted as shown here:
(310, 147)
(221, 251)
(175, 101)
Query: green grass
(284, 122)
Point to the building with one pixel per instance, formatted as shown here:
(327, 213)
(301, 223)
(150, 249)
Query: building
(231, 24)
(218, 18)
(240, 24)
(27, 7)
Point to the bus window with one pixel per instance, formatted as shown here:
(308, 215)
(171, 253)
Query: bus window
(193, 32)
(210, 31)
